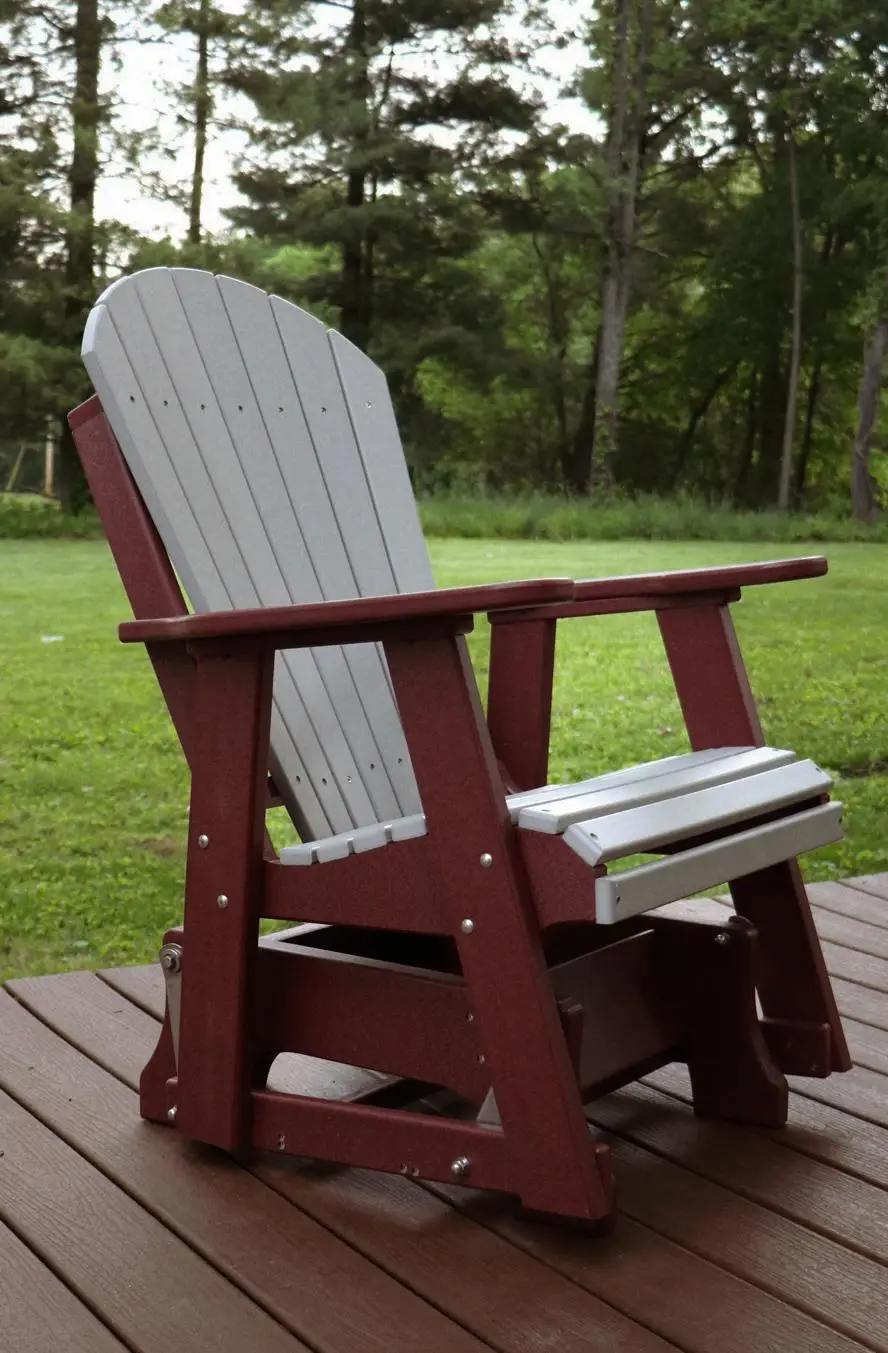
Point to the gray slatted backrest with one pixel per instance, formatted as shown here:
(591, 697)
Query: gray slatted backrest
(267, 452)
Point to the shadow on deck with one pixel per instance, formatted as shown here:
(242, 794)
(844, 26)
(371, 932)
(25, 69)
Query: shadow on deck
(116, 1234)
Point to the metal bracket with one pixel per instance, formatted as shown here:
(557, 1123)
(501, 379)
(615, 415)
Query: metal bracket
(171, 964)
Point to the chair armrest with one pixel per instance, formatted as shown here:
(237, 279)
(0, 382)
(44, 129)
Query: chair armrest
(522, 650)
(701, 579)
(363, 613)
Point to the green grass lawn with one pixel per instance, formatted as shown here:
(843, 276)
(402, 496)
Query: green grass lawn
(93, 792)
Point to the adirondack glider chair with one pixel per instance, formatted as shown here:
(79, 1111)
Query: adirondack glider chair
(464, 929)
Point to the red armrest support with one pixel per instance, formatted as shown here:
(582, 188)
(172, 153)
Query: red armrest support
(522, 654)
(362, 613)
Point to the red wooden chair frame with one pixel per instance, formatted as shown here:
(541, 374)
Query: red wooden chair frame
(466, 958)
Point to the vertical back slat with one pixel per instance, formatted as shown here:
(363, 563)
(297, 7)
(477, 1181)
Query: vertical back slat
(285, 571)
(379, 445)
(309, 506)
(272, 479)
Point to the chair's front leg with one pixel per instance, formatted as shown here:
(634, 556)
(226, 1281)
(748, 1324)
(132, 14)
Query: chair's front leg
(555, 1166)
(802, 1022)
(232, 714)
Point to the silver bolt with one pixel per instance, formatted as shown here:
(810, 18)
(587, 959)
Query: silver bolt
(486, 860)
(414, 1173)
(467, 926)
(722, 938)
(282, 1143)
(222, 901)
(171, 1114)
(460, 1166)
(481, 1059)
(171, 957)
(203, 841)
(405, 1168)
(470, 1018)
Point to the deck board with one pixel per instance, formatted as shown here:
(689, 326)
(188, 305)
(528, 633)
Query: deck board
(115, 1233)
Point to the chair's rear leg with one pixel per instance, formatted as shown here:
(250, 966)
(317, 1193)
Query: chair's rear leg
(158, 1075)
(802, 1021)
(733, 1075)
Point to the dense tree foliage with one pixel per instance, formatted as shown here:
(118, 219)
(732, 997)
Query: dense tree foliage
(686, 290)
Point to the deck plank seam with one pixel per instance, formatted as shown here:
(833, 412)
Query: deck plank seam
(746, 1194)
(160, 1215)
(59, 1276)
(625, 1313)
(697, 1255)
(770, 1135)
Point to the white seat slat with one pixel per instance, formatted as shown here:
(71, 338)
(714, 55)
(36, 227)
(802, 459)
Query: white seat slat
(556, 815)
(355, 842)
(645, 770)
(658, 824)
(633, 891)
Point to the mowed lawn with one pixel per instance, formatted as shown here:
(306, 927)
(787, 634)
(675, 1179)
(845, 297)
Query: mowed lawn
(93, 792)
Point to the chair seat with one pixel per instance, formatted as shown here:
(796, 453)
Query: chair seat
(648, 808)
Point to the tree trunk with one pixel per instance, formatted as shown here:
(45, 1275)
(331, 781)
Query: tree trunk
(80, 243)
(804, 460)
(202, 110)
(744, 466)
(695, 417)
(357, 264)
(623, 164)
(863, 489)
(795, 361)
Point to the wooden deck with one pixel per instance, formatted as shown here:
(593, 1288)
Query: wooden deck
(118, 1235)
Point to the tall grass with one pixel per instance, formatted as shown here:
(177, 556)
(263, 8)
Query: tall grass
(533, 517)
(542, 517)
(27, 516)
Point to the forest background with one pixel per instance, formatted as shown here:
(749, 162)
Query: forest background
(635, 250)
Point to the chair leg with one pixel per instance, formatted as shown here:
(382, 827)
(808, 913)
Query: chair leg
(154, 1099)
(794, 986)
(554, 1164)
(802, 1024)
(733, 1075)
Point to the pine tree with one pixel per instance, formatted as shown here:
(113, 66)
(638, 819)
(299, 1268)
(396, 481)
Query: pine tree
(371, 127)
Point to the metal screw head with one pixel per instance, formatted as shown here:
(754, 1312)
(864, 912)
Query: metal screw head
(405, 1168)
(222, 901)
(171, 958)
(171, 1114)
(282, 1143)
(460, 1166)
(481, 1059)
(203, 841)
(470, 1018)
(722, 938)
(467, 926)
(486, 860)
